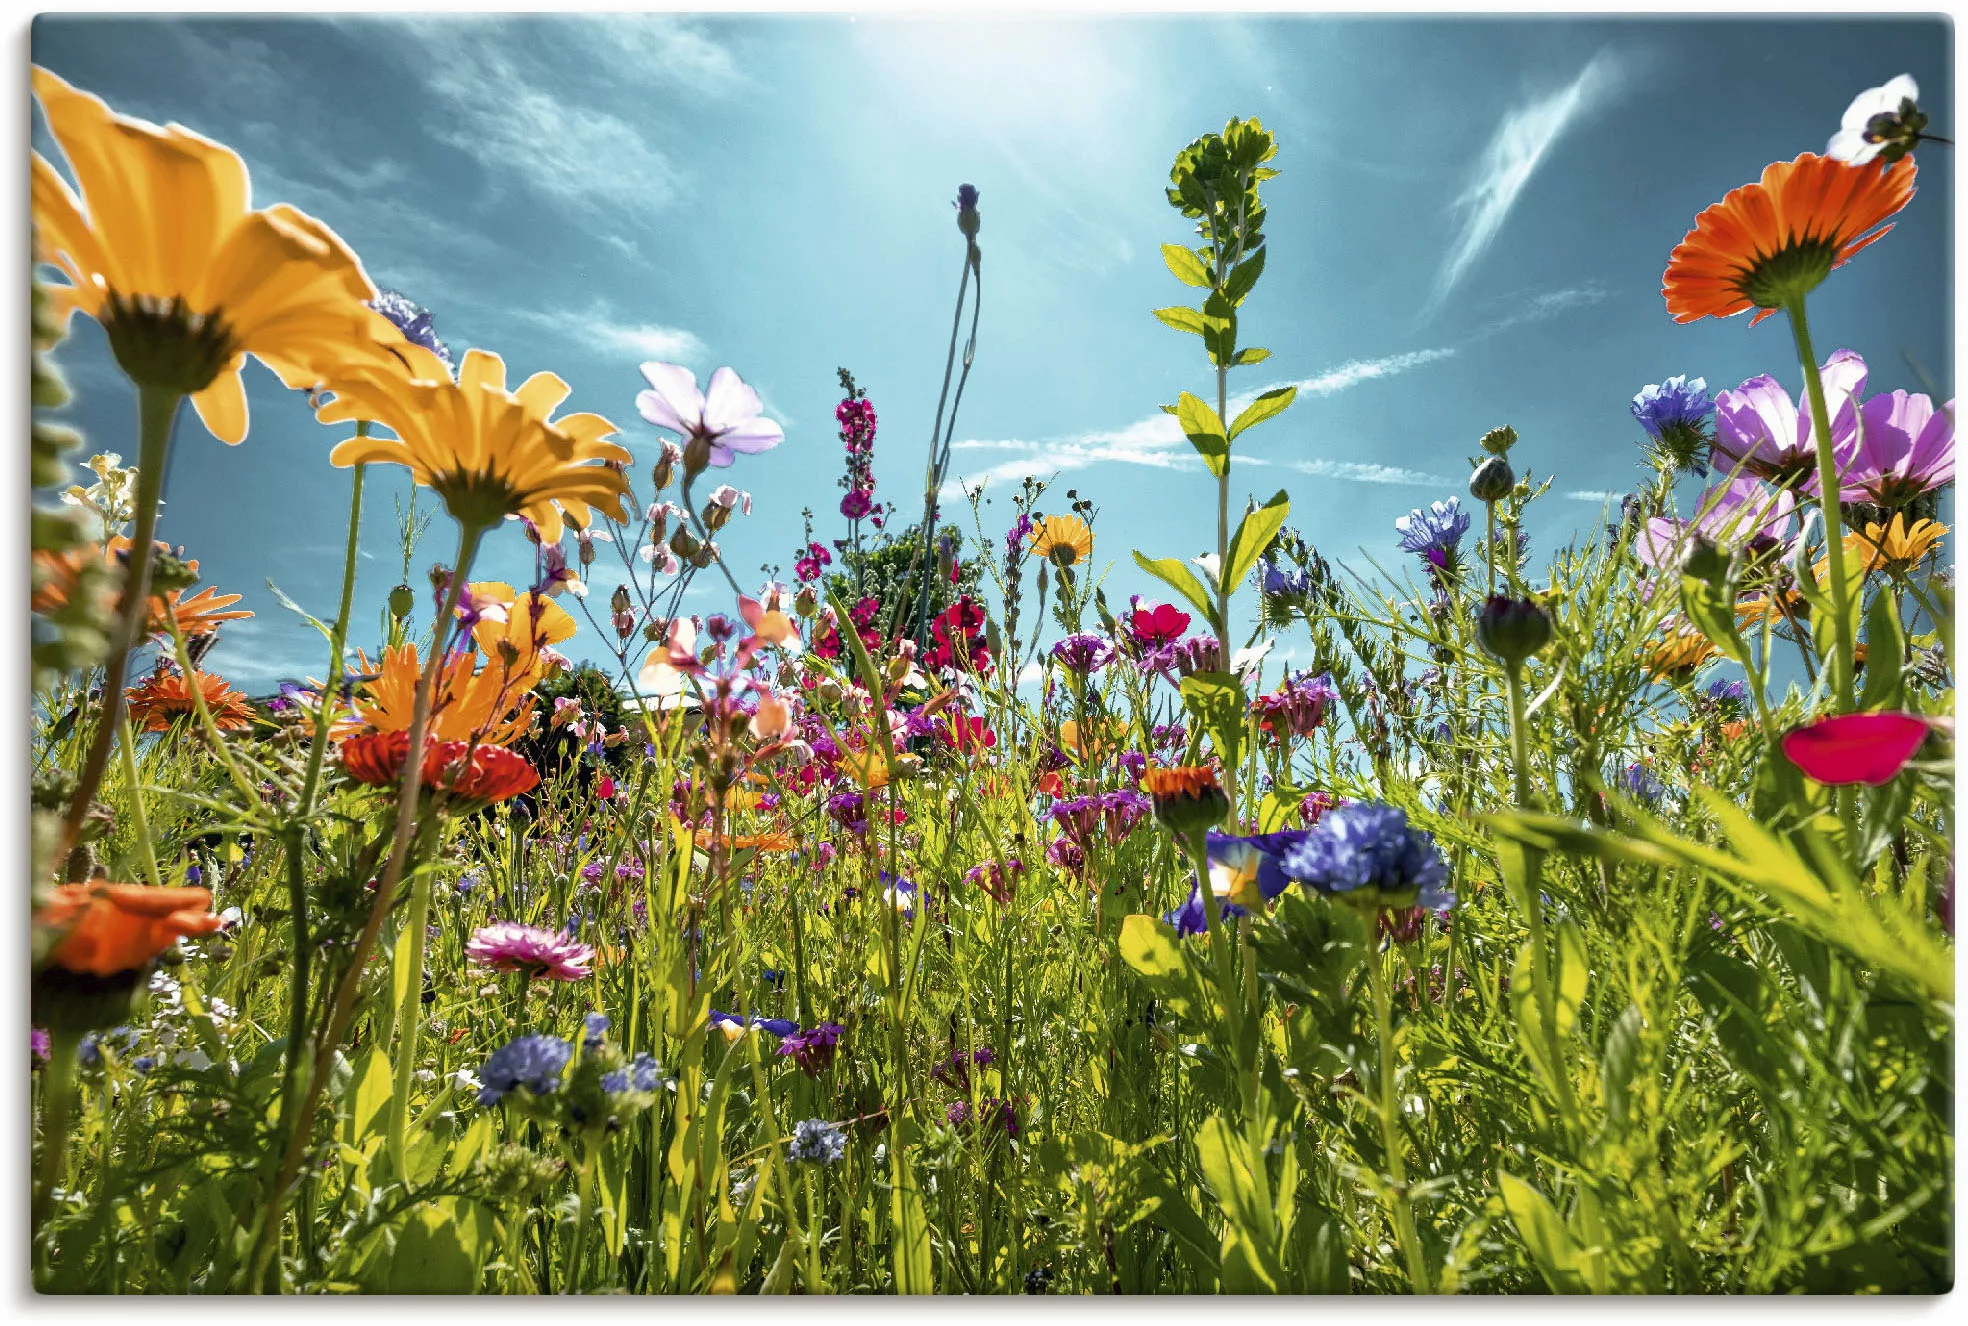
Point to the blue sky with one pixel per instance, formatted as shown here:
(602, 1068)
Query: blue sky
(1470, 229)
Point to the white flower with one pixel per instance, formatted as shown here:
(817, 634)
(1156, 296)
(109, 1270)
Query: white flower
(464, 1080)
(1246, 660)
(1850, 142)
(727, 419)
(196, 1060)
(1210, 564)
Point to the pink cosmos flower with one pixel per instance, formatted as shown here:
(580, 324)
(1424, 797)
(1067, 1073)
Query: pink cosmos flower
(1905, 449)
(1759, 429)
(1856, 748)
(537, 954)
(717, 425)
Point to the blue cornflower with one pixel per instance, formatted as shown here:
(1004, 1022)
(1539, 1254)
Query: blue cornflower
(817, 1140)
(1639, 782)
(593, 1027)
(1367, 852)
(534, 1062)
(642, 1074)
(413, 320)
(1675, 414)
(143, 1063)
(1727, 693)
(1192, 917)
(1277, 583)
(1435, 532)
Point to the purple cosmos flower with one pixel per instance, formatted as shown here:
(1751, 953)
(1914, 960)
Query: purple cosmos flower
(813, 1049)
(413, 320)
(538, 954)
(717, 425)
(1905, 450)
(1435, 532)
(1740, 513)
(534, 1062)
(1761, 431)
(1367, 852)
(1083, 654)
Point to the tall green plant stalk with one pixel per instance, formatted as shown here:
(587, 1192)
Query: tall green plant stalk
(1842, 664)
(157, 412)
(1400, 1208)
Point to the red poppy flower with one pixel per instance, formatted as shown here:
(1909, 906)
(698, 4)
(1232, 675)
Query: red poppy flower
(1856, 748)
(1159, 625)
(968, 733)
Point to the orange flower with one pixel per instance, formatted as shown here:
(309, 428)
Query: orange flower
(1095, 742)
(466, 772)
(1679, 655)
(466, 703)
(61, 573)
(164, 698)
(1188, 798)
(1768, 243)
(113, 928)
(1735, 730)
(198, 615)
(1777, 609)
(759, 842)
(868, 768)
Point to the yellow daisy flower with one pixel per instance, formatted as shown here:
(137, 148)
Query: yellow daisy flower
(1062, 540)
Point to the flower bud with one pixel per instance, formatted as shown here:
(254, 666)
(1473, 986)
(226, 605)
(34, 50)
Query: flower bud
(806, 602)
(967, 215)
(684, 544)
(1513, 629)
(666, 465)
(1706, 562)
(1498, 441)
(1493, 480)
(696, 455)
(401, 600)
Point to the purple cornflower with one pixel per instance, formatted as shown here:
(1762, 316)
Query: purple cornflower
(1433, 533)
(1083, 654)
(1726, 693)
(812, 1049)
(817, 1141)
(1675, 414)
(1905, 450)
(1367, 852)
(413, 320)
(538, 954)
(593, 1028)
(641, 1076)
(534, 1062)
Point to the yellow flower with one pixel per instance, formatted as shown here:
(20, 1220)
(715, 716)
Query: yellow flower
(163, 250)
(1896, 548)
(533, 623)
(1778, 609)
(1678, 655)
(466, 704)
(488, 452)
(1062, 540)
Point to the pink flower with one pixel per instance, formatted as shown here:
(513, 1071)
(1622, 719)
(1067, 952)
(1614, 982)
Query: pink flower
(1906, 449)
(718, 425)
(1759, 428)
(1856, 748)
(539, 954)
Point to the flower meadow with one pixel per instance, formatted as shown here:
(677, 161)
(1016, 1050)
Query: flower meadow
(1579, 921)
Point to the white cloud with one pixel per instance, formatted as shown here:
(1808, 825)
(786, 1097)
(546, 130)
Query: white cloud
(600, 328)
(1596, 496)
(1544, 304)
(1365, 370)
(1515, 151)
(1366, 472)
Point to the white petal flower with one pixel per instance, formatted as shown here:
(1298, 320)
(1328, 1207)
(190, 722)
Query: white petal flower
(1850, 142)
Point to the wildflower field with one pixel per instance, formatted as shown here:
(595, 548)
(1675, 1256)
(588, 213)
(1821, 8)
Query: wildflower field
(1574, 919)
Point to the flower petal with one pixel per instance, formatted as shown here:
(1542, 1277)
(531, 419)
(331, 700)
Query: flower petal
(1856, 748)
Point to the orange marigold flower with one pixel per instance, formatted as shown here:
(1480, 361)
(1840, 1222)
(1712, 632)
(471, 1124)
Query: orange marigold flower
(164, 698)
(1188, 798)
(1768, 243)
(113, 928)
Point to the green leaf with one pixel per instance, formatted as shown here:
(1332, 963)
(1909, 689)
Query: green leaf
(1885, 649)
(1178, 577)
(367, 1096)
(1544, 1235)
(1617, 1061)
(1149, 945)
(1218, 703)
(910, 1229)
(1278, 807)
(1712, 609)
(1254, 535)
(1186, 266)
(1270, 403)
(1183, 319)
(439, 1250)
(1243, 277)
(1204, 429)
(1250, 354)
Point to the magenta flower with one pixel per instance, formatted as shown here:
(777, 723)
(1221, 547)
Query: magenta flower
(858, 503)
(552, 955)
(1856, 748)
(1905, 449)
(717, 425)
(1759, 430)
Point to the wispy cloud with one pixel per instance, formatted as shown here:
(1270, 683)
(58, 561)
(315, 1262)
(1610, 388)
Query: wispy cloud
(1596, 496)
(1157, 441)
(601, 329)
(1515, 151)
(1365, 472)
(1542, 305)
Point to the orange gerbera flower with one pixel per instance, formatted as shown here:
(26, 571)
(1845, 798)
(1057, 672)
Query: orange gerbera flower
(198, 615)
(164, 698)
(1188, 798)
(1778, 609)
(773, 841)
(1768, 243)
(113, 928)
(60, 573)
(464, 705)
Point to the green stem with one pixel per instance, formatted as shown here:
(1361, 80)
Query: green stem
(138, 820)
(584, 1220)
(409, 1021)
(338, 641)
(1842, 662)
(57, 1098)
(1399, 1207)
(157, 409)
(1532, 901)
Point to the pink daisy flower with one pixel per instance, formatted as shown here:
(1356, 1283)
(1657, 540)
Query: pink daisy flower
(540, 954)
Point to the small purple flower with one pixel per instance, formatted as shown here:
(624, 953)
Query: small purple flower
(1083, 654)
(39, 1044)
(593, 1028)
(1016, 536)
(817, 1141)
(642, 1076)
(535, 1062)
(1638, 782)
(414, 321)
(1277, 583)
(812, 1049)
(1437, 530)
